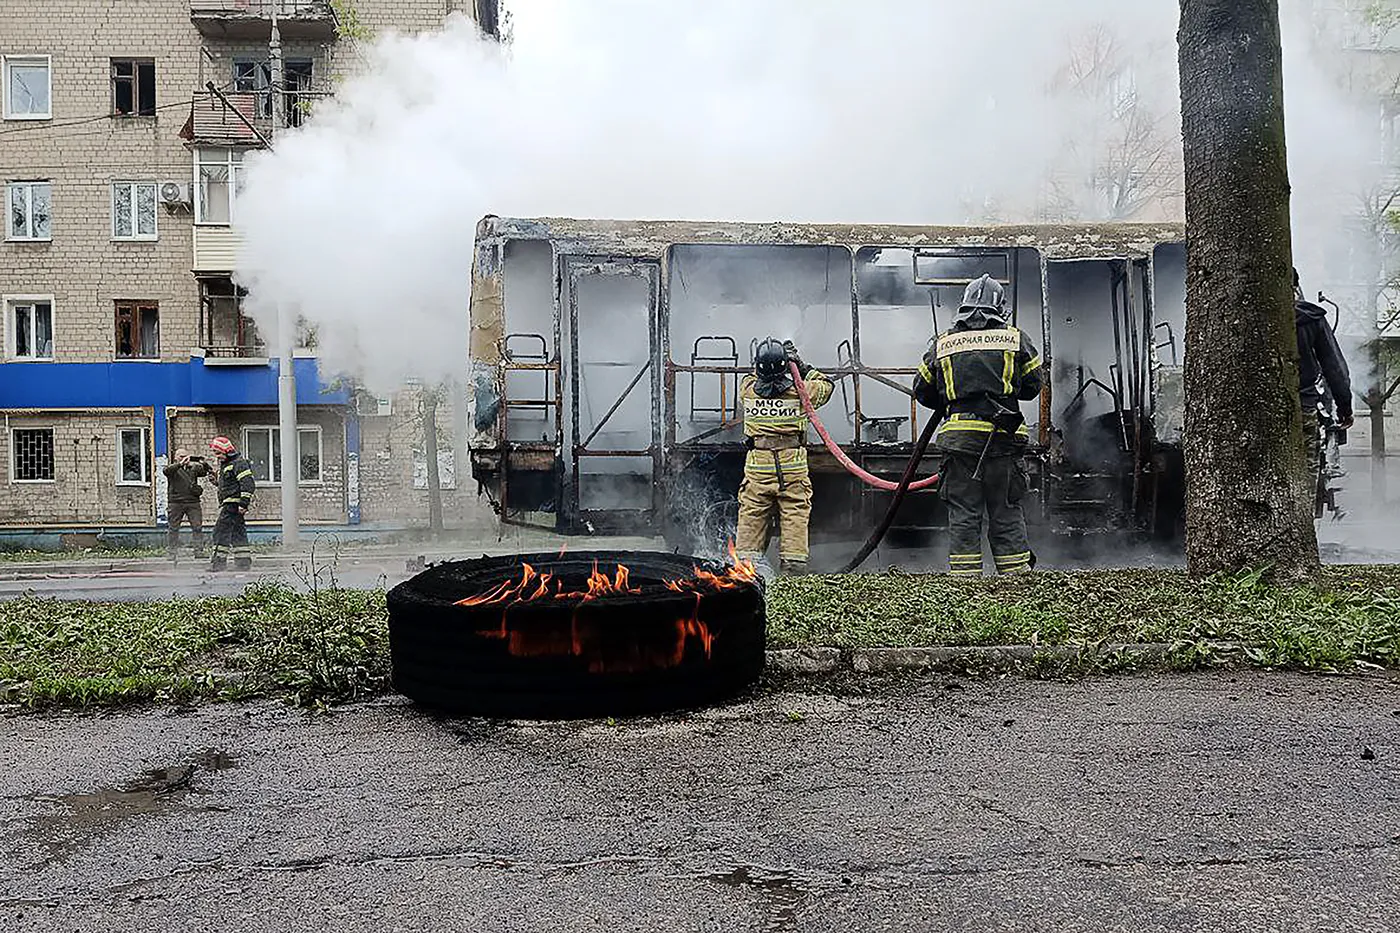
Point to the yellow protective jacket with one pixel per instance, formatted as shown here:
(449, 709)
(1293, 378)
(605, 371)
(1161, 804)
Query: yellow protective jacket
(780, 417)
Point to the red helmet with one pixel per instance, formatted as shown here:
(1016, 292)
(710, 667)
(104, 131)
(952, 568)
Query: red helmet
(223, 446)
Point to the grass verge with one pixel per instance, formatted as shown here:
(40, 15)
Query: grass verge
(332, 645)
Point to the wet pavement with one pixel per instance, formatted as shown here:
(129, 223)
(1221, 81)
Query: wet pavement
(1202, 802)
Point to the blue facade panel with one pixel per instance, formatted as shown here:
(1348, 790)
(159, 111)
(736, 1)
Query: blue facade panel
(157, 385)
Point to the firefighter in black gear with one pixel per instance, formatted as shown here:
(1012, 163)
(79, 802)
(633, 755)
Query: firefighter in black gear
(236, 487)
(1322, 372)
(974, 377)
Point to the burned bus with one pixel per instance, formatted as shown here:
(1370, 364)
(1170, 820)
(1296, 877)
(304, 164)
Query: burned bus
(606, 358)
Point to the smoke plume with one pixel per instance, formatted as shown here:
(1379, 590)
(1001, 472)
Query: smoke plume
(808, 110)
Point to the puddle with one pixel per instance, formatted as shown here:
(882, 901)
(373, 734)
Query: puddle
(781, 889)
(75, 819)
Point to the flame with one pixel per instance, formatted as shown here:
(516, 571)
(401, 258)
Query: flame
(533, 584)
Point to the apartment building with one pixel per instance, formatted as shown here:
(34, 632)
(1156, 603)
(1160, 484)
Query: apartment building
(123, 331)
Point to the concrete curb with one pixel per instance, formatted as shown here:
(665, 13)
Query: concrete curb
(880, 660)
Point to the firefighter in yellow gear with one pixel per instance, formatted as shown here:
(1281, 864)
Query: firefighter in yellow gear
(775, 469)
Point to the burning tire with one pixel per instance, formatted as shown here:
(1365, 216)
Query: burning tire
(576, 635)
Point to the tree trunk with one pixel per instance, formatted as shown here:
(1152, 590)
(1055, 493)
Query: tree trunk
(1249, 498)
(1376, 399)
(430, 450)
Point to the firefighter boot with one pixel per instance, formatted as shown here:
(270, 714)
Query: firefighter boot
(793, 568)
(243, 563)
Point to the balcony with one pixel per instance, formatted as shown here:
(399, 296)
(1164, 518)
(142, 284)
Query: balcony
(227, 337)
(251, 20)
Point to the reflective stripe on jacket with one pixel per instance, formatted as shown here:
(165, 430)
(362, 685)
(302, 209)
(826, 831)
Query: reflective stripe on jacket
(236, 484)
(967, 373)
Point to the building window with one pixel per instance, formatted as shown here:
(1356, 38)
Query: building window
(263, 448)
(134, 210)
(27, 88)
(133, 457)
(31, 328)
(255, 77)
(138, 330)
(29, 210)
(218, 179)
(133, 87)
(31, 455)
(224, 330)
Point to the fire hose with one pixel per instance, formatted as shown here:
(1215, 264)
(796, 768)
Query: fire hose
(906, 482)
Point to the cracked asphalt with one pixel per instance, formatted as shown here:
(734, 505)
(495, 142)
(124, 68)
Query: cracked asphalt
(1204, 802)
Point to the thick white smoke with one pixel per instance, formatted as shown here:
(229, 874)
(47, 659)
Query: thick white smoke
(892, 111)
(911, 111)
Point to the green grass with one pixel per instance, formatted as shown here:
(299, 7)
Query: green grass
(333, 646)
(32, 555)
(100, 553)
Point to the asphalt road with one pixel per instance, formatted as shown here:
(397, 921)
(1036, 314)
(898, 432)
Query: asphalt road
(1188, 803)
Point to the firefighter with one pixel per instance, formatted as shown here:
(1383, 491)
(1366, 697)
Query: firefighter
(236, 487)
(775, 469)
(973, 377)
(1322, 372)
(183, 478)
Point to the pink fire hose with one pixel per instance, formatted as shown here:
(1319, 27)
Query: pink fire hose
(899, 489)
(840, 455)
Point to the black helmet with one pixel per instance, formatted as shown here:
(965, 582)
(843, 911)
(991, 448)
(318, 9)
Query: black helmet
(770, 364)
(983, 303)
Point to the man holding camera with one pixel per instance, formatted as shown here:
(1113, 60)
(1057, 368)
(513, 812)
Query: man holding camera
(182, 477)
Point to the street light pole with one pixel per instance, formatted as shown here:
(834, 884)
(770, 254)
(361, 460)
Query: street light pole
(286, 325)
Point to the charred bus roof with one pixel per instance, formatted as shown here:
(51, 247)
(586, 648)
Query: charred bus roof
(653, 237)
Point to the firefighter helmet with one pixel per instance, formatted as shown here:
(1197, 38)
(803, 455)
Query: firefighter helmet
(223, 447)
(770, 364)
(984, 301)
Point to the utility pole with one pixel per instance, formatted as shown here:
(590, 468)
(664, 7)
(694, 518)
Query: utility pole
(286, 325)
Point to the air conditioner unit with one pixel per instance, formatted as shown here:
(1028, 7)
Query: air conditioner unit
(175, 193)
(373, 407)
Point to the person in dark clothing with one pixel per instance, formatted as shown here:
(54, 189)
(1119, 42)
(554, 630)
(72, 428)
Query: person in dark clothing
(974, 378)
(182, 478)
(1322, 371)
(236, 487)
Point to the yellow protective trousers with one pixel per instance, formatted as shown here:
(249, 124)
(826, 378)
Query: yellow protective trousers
(775, 481)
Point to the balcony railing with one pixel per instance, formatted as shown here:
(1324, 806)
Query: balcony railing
(252, 19)
(250, 352)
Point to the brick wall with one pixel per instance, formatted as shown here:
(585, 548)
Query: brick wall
(387, 491)
(82, 267)
(84, 489)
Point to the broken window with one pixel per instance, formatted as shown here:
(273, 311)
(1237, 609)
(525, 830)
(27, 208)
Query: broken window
(133, 87)
(31, 323)
(253, 76)
(138, 330)
(31, 455)
(27, 88)
(219, 174)
(263, 448)
(133, 462)
(225, 331)
(29, 211)
(134, 210)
